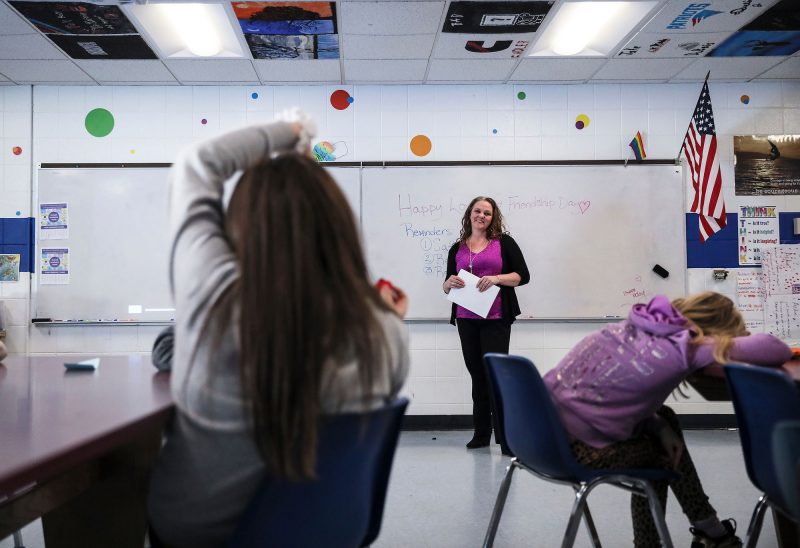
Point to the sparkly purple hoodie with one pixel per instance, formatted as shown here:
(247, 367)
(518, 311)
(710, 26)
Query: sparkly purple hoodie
(619, 376)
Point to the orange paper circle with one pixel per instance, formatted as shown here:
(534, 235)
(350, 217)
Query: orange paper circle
(421, 145)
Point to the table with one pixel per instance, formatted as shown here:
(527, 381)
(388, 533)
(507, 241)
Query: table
(77, 447)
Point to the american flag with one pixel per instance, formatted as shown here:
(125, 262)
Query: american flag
(700, 147)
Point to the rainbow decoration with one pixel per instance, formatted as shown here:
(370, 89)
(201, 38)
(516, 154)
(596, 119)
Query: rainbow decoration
(637, 145)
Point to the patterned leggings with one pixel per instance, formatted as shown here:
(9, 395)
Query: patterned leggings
(644, 451)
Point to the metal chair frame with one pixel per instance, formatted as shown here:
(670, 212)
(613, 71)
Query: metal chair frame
(640, 486)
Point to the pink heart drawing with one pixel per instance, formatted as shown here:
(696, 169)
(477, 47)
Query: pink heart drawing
(584, 205)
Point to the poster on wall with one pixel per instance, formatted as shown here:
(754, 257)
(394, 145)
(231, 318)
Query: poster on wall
(53, 221)
(758, 227)
(774, 33)
(495, 17)
(766, 164)
(780, 272)
(750, 298)
(9, 267)
(688, 17)
(54, 266)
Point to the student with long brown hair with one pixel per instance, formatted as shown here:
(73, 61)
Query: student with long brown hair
(276, 324)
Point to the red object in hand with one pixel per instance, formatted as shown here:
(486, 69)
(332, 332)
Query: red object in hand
(380, 284)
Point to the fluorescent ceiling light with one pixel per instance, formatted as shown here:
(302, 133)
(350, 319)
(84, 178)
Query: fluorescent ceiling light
(187, 29)
(590, 28)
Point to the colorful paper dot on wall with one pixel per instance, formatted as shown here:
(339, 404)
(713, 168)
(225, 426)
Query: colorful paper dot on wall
(340, 99)
(99, 122)
(204, 121)
(521, 95)
(421, 145)
(745, 99)
(17, 151)
(254, 95)
(494, 131)
(581, 121)
(19, 213)
(132, 151)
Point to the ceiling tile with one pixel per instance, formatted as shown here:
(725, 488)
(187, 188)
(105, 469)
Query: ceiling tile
(685, 17)
(360, 46)
(731, 68)
(492, 70)
(13, 23)
(398, 18)
(389, 70)
(641, 69)
(43, 72)
(293, 70)
(650, 46)
(28, 46)
(545, 70)
(789, 69)
(212, 70)
(124, 71)
(482, 46)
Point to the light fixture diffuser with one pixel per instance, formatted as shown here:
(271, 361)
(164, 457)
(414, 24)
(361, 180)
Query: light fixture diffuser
(590, 28)
(187, 30)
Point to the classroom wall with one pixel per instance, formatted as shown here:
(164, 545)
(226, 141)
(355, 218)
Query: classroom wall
(462, 122)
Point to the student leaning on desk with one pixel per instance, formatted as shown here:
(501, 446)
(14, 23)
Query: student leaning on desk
(276, 323)
(610, 391)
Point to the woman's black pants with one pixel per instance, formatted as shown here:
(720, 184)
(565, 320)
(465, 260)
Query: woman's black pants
(479, 337)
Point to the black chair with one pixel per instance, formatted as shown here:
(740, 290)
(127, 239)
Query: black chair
(786, 456)
(343, 506)
(761, 399)
(537, 438)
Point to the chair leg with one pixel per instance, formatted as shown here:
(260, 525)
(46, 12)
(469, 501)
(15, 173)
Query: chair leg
(575, 516)
(499, 503)
(658, 514)
(18, 539)
(754, 529)
(590, 526)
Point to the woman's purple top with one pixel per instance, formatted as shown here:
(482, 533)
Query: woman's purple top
(619, 376)
(487, 262)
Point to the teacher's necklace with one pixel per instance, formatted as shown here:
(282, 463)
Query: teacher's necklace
(473, 255)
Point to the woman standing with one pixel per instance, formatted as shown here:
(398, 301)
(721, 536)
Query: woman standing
(487, 251)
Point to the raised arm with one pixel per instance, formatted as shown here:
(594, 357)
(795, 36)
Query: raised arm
(202, 263)
(757, 349)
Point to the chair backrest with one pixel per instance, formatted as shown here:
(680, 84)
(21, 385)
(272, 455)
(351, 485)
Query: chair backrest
(533, 428)
(786, 455)
(761, 398)
(343, 506)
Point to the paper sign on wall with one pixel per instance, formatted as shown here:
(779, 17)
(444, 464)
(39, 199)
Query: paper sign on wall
(9, 267)
(53, 221)
(54, 266)
(758, 227)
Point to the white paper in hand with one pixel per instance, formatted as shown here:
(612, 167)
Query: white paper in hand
(470, 298)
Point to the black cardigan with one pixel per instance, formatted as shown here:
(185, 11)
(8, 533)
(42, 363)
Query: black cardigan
(513, 261)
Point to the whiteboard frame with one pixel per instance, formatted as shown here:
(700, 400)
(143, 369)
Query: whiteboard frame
(47, 322)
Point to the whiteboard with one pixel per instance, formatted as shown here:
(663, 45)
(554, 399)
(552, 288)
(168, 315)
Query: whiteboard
(118, 242)
(590, 234)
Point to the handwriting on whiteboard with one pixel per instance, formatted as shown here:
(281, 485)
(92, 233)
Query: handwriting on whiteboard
(415, 207)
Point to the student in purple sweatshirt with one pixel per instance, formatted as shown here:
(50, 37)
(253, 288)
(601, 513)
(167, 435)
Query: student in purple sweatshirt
(610, 391)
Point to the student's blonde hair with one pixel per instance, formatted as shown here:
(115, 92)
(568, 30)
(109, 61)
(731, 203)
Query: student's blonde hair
(713, 316)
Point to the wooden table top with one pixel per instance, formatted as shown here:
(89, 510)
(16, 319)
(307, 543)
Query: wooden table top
(52, 420)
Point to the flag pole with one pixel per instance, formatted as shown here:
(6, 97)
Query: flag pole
(678, 157)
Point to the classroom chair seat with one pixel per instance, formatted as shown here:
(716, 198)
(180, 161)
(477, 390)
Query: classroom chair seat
(786, 456)
(761, 399)
(538, 440)
(343, 506)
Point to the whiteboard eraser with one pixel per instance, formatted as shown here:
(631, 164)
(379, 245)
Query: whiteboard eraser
(661, 271)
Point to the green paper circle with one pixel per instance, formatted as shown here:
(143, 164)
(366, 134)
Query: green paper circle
(99, 122)
(521, 95)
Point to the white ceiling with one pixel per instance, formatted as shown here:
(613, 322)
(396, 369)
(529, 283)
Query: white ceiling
(401, 42)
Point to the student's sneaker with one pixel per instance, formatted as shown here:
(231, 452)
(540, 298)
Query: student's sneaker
(728, 540)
